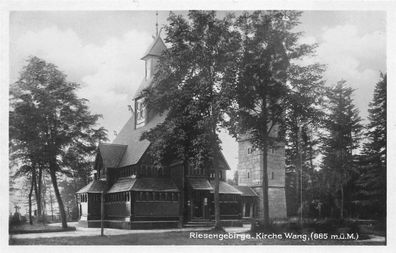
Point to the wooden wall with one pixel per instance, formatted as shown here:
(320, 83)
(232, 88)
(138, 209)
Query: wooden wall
(156, 209)
(120, 209)
(93, 206)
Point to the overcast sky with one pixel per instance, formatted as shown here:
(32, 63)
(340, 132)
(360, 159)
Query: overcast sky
(101, 50)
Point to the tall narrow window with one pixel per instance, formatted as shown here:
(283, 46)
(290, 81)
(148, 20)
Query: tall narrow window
(149, 63)
(140, 113)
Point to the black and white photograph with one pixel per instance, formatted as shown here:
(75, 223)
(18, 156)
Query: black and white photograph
(245, 126)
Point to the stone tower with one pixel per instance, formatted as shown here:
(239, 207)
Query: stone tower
(250, 173)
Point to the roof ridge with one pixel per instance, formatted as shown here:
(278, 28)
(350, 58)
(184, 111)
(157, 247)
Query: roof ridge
(113, 144)
(148, 51)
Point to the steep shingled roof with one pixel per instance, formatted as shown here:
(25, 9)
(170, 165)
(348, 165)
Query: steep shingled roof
(96, 186)
(131, 137)
(246, 191)
(123, 184)
(111, 154)
(223, 164)
(225, 188)
(155, 184)
(143, 184)
(199, 184)
(146, 83)
(156, 48)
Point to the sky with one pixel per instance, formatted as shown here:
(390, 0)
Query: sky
(101, 50)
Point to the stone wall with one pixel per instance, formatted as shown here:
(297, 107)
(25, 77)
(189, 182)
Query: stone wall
(276, 205)
(250, 173)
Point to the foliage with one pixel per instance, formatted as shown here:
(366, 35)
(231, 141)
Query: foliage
(191, 79)
(48, 120)
(261, 93)
(341, 140)
(191, 83)
(303, 118)
(371, 195)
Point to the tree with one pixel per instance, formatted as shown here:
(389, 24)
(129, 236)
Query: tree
(268, 47)
(24, 147)
(372, 180)
(343, 129)
(234, 180)
(303, 117)
(193, 76)
(47, 119)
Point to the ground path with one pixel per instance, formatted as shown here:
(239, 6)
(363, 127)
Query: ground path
(181, 236)
(83, 231)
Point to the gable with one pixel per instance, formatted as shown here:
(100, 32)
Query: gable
(223, 165)
(155, 49)
(96, 186)
(111, 154)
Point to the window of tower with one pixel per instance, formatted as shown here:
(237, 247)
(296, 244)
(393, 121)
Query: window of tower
(149, 63)
(140, 113)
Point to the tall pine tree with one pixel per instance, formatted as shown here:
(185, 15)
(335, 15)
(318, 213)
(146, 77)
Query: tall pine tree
(303, 119)
(340, 142)
(269, 44)
(372, 181)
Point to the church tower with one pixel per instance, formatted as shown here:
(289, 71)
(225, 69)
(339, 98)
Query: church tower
(250, 173)
(151, 59)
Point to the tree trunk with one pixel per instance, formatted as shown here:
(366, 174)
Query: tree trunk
(182, 197)
(40, 194)
(37, 193)
(57, 195)
(217, 200)
(30, 201)
(217, 225)
(298, 181)
(52, 206)
(266, 221)
(342, 202)
(43, 190)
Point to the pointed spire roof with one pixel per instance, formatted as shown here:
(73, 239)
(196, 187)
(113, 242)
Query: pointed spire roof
(156, 48)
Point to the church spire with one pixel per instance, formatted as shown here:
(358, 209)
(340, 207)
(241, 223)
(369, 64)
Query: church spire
(156, 24)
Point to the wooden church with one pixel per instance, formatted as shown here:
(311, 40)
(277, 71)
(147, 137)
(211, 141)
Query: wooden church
(138, 195)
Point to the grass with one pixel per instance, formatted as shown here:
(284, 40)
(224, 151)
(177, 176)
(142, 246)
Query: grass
(37, 228)
(174, 238)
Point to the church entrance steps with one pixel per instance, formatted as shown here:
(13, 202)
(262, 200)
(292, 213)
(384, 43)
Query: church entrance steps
(197, 223)
(207, 223)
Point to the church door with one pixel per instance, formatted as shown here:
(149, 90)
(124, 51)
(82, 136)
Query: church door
(200, 205)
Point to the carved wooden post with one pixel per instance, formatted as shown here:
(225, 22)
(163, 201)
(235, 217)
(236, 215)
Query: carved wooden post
(101, 213)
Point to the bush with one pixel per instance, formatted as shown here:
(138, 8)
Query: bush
(16, 219)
